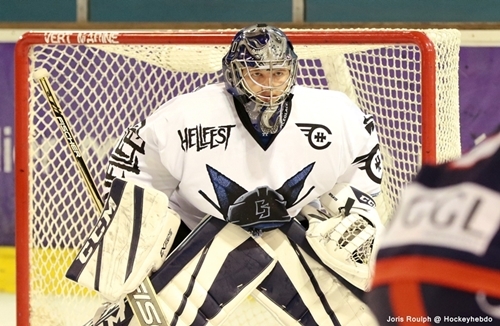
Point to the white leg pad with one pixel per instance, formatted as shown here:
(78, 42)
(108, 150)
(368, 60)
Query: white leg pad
(131, 239)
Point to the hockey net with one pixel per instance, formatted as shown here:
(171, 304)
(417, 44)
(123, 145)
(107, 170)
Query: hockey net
(106, 81)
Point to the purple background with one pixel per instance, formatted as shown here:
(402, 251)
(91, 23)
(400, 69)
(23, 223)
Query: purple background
(7, 220)
(479, 74)
(479, 92)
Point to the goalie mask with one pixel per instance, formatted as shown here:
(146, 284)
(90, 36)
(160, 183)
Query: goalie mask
(260, 70)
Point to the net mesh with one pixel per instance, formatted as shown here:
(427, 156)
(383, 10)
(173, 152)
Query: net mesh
(104, 88)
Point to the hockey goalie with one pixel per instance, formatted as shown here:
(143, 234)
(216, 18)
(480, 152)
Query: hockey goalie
(256, 203)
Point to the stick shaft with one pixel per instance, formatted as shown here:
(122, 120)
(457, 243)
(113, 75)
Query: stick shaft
(70, 139)
(153, 315)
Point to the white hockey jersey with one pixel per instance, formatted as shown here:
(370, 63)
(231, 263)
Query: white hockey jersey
(202, 151)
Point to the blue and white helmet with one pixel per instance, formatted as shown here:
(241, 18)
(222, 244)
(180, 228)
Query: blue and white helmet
(260, 47)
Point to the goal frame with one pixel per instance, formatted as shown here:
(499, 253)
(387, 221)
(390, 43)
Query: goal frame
(22, 91)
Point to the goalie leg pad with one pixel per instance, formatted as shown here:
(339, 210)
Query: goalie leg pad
(131, 239)
(219, 277)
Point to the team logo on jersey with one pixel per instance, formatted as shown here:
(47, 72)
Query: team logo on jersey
(317, 135)
(372, 163)
(260, 209)
(201, 137)
(124, 157)
(369, 124)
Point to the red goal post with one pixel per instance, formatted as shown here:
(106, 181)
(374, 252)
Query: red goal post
(108, 80)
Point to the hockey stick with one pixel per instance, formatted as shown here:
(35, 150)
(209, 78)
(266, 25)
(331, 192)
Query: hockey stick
(143, 301)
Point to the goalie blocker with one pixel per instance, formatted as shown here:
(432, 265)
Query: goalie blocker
(130, 240)
(440, 254)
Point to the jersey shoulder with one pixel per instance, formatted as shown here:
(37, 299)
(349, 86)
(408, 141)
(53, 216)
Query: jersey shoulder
(326, 106)
(320, 95)
(202, 103)
(204, 98)
(478, 166)
(328, 102)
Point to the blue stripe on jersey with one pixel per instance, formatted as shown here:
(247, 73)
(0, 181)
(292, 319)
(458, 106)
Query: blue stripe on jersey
(483, 172)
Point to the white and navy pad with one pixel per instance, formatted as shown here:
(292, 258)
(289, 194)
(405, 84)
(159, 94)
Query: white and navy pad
(134, 231)
(204, 279)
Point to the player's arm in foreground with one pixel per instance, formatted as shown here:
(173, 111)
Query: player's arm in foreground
(439, 259)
